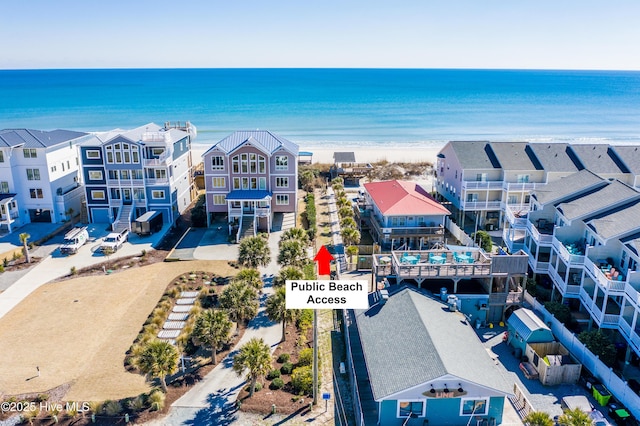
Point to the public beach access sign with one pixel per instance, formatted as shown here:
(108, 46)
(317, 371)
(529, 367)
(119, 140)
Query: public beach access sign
(327, 294)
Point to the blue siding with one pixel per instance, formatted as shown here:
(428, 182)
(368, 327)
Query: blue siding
(167, 194)
(85, 174)
(445, 411)
(91, 161)
(99, 215)
(181, 147)
(90, 199)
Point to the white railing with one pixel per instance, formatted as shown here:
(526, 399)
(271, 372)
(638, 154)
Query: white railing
(486, 184)
(235, 211)
(519, 221)
(610, 320)
(586, 299)
(612, 286)
(161, 181)
(573, 289)
(481, 205)
(625, 328)
(161, 160)
(596, 313)
(520, 186)
(155, 137)
(635, 340)
(541, 239)
(577, 259)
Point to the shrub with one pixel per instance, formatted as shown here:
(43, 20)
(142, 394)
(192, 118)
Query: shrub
(5, 262)
(42, 397)
(276, 383)
(96, 406)
(1, 268)
(73, 270)
(286, 368)
(112, 408)
(305, 319)
(156, 400)
(306, 357)
(273, 374)
(137, 403)
(258, 387)
(302, 380)
(284, 358)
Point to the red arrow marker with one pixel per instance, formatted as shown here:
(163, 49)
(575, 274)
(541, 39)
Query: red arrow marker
(324, 258)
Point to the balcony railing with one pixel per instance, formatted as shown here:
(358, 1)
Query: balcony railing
(577, 259)
(161, 160)
(610, 319)
(539, 238)
(520, 186)
(125, 182)
(586, 299)
(486, 184)
(573, 289)
(161, 181)
(404, 231)
(481, 205)
(625, 328)
(517, 215)
(612, 286)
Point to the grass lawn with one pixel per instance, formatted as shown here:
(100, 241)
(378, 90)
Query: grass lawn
(78, 331)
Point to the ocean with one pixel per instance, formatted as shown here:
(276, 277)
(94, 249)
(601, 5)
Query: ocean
(329, 107)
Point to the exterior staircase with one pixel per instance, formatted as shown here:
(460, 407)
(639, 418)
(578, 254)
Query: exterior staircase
(123, 220)
(248, 227)
(288, 221)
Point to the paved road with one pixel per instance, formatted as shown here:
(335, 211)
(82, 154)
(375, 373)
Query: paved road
(212, 400)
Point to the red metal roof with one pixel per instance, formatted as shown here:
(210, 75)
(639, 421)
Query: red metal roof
(397, 197)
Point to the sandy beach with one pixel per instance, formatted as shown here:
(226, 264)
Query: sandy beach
(363, 155)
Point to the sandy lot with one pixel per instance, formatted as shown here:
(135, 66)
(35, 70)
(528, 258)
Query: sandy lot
(78, 332)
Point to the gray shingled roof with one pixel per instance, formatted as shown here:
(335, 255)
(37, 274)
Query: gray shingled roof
(525, 322)
(515, 156)
(28, 138)
(475, 155)
(614, 193)
(344, 157)
(269, 141)
(633, 243)
(565, 187)
(630, 156)
(599, 158)
(619, 223)
(413, 339)
(554, 157)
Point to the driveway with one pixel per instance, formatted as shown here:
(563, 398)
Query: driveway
(215, 245)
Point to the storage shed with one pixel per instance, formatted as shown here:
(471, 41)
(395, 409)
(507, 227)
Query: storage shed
(554, 363)
(524, 327)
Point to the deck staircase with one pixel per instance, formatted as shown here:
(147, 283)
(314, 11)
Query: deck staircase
(248, 227)
(288, 221)
(123, 221)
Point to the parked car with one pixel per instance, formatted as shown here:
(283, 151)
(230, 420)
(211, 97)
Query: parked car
(114, 241)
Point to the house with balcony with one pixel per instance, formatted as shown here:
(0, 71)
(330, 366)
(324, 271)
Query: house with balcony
(251, 176)
(127, 173)
(39, 176)
(346, 167)
(431, 369)
(402, 214)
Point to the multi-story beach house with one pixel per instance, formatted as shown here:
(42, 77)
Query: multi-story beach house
(39, 176)
(129, 172)
(251, 176)
(401, 214)
(584, 232)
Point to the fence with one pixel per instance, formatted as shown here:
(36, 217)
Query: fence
(458, 233)
(355, 395)
(603, 373)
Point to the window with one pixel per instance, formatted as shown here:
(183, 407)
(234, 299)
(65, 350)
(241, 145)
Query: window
(4, 187)
(1, 156)
(157, 151)
(115, 193)
(109, 155)
(262, 164)
(523, 178)
(282, 182)
(245, 183)
(53, 169)
(219, 200)
(124, 174)
(95, 174)
(236, 183)
(33, 174)
(474, 407)
(217, 162)
(282, 199)
(35, 193)
(244, 163)
(407, 408)
(161, 173)
(481, 177)
(253, 163)
(235, 164)
(127, 157)
(262, 182)
(137, 174)
(157, 195)
(472, 198)
(93, 153)
(218, 182)
(282, 162)
(118, 157)
(134, 155)
(30, 153)
(97, 195)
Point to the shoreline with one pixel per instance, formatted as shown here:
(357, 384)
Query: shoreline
(363, 155)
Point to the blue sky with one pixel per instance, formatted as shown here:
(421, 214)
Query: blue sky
(558, 34)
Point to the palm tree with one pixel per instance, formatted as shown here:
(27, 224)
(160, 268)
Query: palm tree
(351, 251)
(277, 311)
(350, 236)
(159, 358)
(306, 178)
(254, 252)
(287, 273)
(24, 239)
(295, 234)
(250, 277)
(348, 222)
(254, 358)
(292, 253)
(239, 300)
(345, 212)
(538, 418)
(213, 329)
(575, 417)
(343, 202)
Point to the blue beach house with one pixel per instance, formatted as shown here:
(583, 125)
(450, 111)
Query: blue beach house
(426, 365)
(127, 173)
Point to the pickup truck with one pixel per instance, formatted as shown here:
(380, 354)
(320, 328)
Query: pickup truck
(114, 241)
(73, 240)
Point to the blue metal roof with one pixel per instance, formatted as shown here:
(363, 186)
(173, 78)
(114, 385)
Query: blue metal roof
(248, 194)
(525, 322)
(267, 140)
(36, 138)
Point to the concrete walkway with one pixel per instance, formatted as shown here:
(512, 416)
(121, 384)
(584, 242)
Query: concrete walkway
(212, 401)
